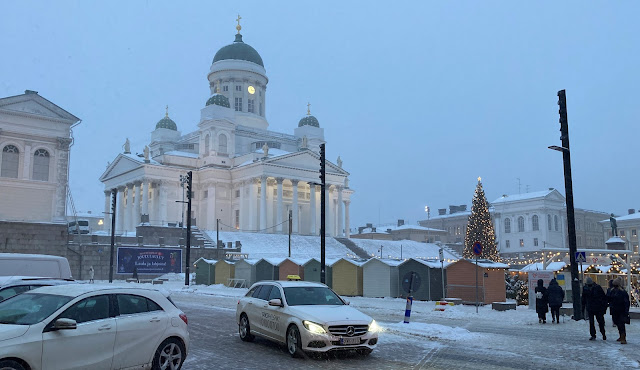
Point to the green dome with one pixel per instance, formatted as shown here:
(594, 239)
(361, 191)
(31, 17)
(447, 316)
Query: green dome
(240, 51)
(167, 123)
(219, 99)
(309, 121)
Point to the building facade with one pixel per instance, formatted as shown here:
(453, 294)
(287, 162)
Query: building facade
(245, 177)
(35, 141)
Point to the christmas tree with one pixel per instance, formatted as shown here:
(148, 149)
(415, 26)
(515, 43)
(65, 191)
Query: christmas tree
(480, 228)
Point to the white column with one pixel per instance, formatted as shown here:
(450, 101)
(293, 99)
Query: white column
(263, 202)
(253, 195)
(120, 209)
(340, 219)
(294, 183)
(137, 202)
(241, 207)
(212, 215)
(107, 207)
(26, 163)
(346, 218)
(328, 211)
(312, 209)
(128, 211)
(270, 219)
(162, 202)
(145, 196)
(279, 207)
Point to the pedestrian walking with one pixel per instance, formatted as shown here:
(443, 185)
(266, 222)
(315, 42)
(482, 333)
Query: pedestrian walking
(542, 302)
(91, 274)
(619, 303)
(135, 274)
(609, 289)
(594, 300)
(556, 297)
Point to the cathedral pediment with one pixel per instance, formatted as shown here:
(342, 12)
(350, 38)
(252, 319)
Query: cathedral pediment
(304, 159)
(33, 104)
(121, 165)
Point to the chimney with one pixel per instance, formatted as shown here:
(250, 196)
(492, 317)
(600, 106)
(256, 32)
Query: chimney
(400, 223)
(463, 207)
(632, 211)
(373, 229)
(369, 226)
(551, 189)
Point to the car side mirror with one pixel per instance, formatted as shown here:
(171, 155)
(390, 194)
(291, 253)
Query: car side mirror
(276, 302)
(64, 324)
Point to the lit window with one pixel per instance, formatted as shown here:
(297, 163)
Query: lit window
(507, 225)
(522, 242)
(520, 224)
(10, 159)
(622, 233)
(634, 232)
(238, 105)
(250, 108)
(534, 223)
(237, 219)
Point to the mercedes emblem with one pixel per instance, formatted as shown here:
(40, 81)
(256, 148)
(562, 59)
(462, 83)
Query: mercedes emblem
(350, 331)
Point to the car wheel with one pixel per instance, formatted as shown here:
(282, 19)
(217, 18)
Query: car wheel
(169, 355)
(244, 329)
(10, 365)
(364, 352)
(294, 344)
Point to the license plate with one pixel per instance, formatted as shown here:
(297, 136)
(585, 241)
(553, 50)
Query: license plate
(349, 340)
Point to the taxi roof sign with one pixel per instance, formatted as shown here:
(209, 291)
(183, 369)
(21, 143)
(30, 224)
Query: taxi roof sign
(293, 277)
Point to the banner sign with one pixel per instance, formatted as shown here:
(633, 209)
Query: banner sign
(149, 260)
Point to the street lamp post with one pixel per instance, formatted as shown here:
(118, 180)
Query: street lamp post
(426, 209)
(571, 220)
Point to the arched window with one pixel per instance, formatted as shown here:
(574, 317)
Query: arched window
(507, 225)
(549, 222)
(41, 165)
(520, 224)
(555, 222)
(222, 143)
(206, 144)
(535, 223)
(10, 160)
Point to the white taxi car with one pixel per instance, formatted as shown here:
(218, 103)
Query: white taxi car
(87, 326)
(306, 317)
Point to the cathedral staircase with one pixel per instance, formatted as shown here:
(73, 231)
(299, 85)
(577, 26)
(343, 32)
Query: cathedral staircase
(202, 238)
(354, 248)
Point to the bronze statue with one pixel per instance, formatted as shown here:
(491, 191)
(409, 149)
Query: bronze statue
(614, 225)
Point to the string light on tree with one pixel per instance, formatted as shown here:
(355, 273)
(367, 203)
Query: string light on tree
(480, 228)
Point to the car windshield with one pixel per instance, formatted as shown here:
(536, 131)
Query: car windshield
(30, 308)
(305, 296)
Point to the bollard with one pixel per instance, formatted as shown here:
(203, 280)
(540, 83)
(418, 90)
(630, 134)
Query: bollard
(407, 311)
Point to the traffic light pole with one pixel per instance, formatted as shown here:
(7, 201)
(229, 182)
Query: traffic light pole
(571, 220)
(322, 213)
(189, 196)
(114, 198)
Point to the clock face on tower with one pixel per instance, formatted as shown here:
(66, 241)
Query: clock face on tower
(252, 90)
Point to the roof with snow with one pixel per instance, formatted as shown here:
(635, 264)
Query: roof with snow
(402, 249)
(178, 153)
(633, 216)
(553, 266)
(525, 196)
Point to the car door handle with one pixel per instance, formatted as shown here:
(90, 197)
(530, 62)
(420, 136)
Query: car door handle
(106, 327)
(155, 319)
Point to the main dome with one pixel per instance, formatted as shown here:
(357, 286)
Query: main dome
(238, 51)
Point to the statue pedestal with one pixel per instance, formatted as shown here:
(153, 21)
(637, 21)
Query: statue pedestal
(616, 243)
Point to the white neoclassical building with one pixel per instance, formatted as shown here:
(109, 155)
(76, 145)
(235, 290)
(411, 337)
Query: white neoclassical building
(35, 137)
(245, 176)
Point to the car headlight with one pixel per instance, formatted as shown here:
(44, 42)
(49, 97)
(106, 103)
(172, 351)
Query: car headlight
(313, 327)
(374, 327)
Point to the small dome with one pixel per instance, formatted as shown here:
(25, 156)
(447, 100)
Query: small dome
(309, 121)
(219, 99)
(239, 51)
(168, 123)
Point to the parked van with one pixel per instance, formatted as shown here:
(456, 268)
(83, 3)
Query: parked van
(78, 227)
(16, 264)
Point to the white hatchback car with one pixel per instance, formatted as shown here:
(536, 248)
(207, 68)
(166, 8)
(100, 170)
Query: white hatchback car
(306, 317)
(87, 326)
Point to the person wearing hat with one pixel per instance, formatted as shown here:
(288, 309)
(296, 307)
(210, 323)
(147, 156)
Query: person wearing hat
(594, 300)
(619, 303)
(542, 302)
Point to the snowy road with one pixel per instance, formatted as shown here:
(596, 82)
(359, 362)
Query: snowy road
(454, 339)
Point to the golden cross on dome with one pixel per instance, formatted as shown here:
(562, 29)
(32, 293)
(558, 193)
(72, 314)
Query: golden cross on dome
(308, 109)
(167, 111)
(479, 178)
(238, 27)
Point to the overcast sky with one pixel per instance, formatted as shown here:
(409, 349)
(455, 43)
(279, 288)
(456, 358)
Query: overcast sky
(418, 98)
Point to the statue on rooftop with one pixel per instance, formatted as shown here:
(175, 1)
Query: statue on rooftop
(127, 147)
(614, 225)
(146, 153)
(339, 162)
(265, 149)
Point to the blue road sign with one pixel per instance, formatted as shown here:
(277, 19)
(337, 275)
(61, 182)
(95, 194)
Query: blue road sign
(581, 256)
(477, 248)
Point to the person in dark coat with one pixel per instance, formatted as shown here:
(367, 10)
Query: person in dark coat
(556, 296)
(594, 300)
(609, 289)
(135, 274)
(542, 302)
(619, 303)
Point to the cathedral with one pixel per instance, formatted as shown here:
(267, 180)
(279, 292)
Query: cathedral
(245, 177)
